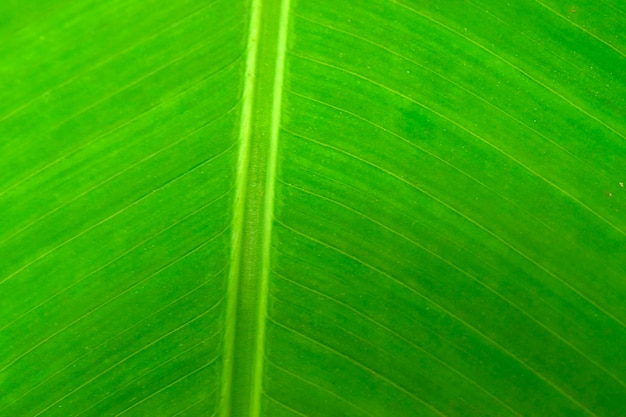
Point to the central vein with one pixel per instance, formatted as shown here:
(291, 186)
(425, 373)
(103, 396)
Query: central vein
(254, 204)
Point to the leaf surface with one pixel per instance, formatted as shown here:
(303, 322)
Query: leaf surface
(312, 208)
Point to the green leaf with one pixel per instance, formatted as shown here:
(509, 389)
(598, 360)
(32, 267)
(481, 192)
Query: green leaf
(312, 208)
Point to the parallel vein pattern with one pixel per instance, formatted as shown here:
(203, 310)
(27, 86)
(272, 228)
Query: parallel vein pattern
(119, 141)
(447, 235)
(279, 208)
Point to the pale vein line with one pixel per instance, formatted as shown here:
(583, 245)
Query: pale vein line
(171, 385)
(535, 173)
(576, 25)
(613, 7)
(464, 272)
(306, 381)
(144, 77)
(363, 342)
(110, 300)
(141, 243)
(488, 264)
(44, 17)
(436, 22)
(187, 323)
(200, 165)
(399, 336)
(422, 326)
(192, 405)
(120, 388)
(422, 224)
(140, 322)
(285, 406)
(376, 222)
(599, 171)
(534, 41)
(440, 307)
(432, 155)
(360, 365)
(519, 252)
(112, 177)
(120, 126)
(439, 75)
(70, 80)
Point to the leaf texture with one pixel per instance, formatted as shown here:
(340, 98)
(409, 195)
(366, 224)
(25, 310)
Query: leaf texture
(312, 208)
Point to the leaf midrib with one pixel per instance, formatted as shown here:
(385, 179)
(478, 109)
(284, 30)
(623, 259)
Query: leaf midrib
(253, 209)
